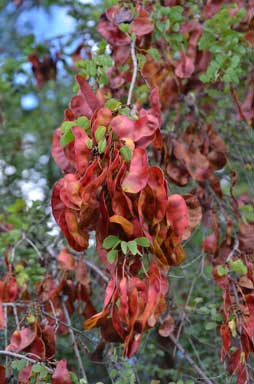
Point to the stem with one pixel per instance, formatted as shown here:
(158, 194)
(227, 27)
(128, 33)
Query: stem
(74, 342)
(184, 313)
(24, 357)
(6, 333)
(240, 111)
(97, 270)
(190, 361)
(14, 307)
(135, 71)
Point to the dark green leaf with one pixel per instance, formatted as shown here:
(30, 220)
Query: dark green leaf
(100, 133)
(143, 242)
(102, 144)
(124, 247)
(112, 256)
(126, 153)
(110, 241)
(238, 266)
(132, 245)
(113, 104)
(83, 122)
(18, 364)
(66, 138)
(124, 27)
(67, 125)
(221, 270)
(89, 143)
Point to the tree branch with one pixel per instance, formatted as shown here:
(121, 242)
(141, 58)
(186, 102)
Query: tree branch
(236, 100)
(190, 361)
(24, 357)
(135, 71)
(74, 342)
(97, 270)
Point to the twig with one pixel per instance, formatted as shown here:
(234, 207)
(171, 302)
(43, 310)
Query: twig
(53, 256)
(34, 247)
(189, 359)
(22, 305)
(6, 333)
(56, 326)
(24, 357)
(135, 71)
(184, 312)
(25, 305)
(66, 325)
(240, 111)
(97, 270)
(235, 248)
(14, 307)
(74, 342)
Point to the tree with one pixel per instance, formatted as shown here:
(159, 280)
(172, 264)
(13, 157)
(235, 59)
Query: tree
(149, 152)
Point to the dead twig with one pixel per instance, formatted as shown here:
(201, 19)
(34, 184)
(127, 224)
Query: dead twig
(97, 270)
(24, 357)
(135, 71)
(190, 361)
(74, 342)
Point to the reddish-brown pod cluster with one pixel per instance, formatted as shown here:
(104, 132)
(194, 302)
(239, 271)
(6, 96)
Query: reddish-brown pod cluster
(109, 187)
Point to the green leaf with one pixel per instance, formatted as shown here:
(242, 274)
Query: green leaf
(154, 53)
(19, 205)
(124, 247)
(210, 325)
(83, 381)
(160, 26)
(67, 125)
(74, 378)
(143, 242)
(18, 364)
(241, 14)
(141, 60)
(100, 133)
(110, 241)
(89, 143)
(125, 111)
(66, 138)
(102, 144)
(126, 153)
(113, 104)
(30, 319)
(37, 368)
(112, 256)
(132, 245)
(221, 270)
(124, 27)
(246, 208)
(83, 122)
(238, 266)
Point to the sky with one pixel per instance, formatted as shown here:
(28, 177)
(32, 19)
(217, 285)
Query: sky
(47, 25)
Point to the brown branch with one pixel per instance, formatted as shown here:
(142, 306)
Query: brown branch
(190, 361)
(56, 318)
(236, 100)
(184, 312)
(74, 342)
(97, 270)
(24, 357)
(14, 307)
(233, 251)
